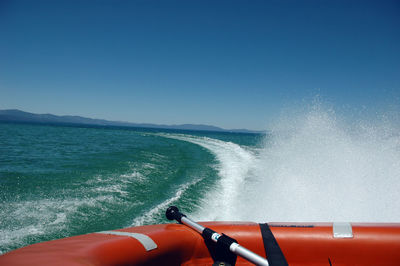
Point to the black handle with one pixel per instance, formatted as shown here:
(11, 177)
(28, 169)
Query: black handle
(173, 213)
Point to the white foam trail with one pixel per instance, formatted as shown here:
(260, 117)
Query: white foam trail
(40, 217)
(235, 162)
(155, 212)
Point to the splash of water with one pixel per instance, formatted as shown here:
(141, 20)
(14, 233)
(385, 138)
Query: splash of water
(317, 167)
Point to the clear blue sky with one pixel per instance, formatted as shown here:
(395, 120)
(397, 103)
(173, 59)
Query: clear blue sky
(232, 64)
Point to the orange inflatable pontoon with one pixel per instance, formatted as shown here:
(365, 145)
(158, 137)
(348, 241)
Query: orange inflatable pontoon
(177, 244)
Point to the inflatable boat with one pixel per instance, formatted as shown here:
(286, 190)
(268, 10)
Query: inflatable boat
(221, 243)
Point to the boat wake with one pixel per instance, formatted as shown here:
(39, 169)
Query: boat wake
(236, 164)
(313, 167)
(159, 210)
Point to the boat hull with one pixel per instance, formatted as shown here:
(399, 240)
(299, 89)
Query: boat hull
(176, 244)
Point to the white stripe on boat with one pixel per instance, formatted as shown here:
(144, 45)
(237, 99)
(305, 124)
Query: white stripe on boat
(145, 240)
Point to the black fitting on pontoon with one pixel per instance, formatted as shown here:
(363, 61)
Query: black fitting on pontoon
(220, 251)
(173, 213)
(225, 241)
(207, 233)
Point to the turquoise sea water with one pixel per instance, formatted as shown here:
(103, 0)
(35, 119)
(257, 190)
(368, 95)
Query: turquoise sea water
(61, 181)
(58, 181)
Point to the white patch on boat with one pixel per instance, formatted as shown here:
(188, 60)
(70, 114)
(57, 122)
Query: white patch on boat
(342, 230)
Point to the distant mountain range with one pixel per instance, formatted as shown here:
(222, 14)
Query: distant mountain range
(15, 115)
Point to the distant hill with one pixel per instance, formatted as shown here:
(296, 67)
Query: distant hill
(15, 115)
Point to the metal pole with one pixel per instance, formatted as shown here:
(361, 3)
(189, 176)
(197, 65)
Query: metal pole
(174, 214)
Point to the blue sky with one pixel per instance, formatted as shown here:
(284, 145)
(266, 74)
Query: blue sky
(233, 64)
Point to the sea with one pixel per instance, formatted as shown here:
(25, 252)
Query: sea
(60, 181)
